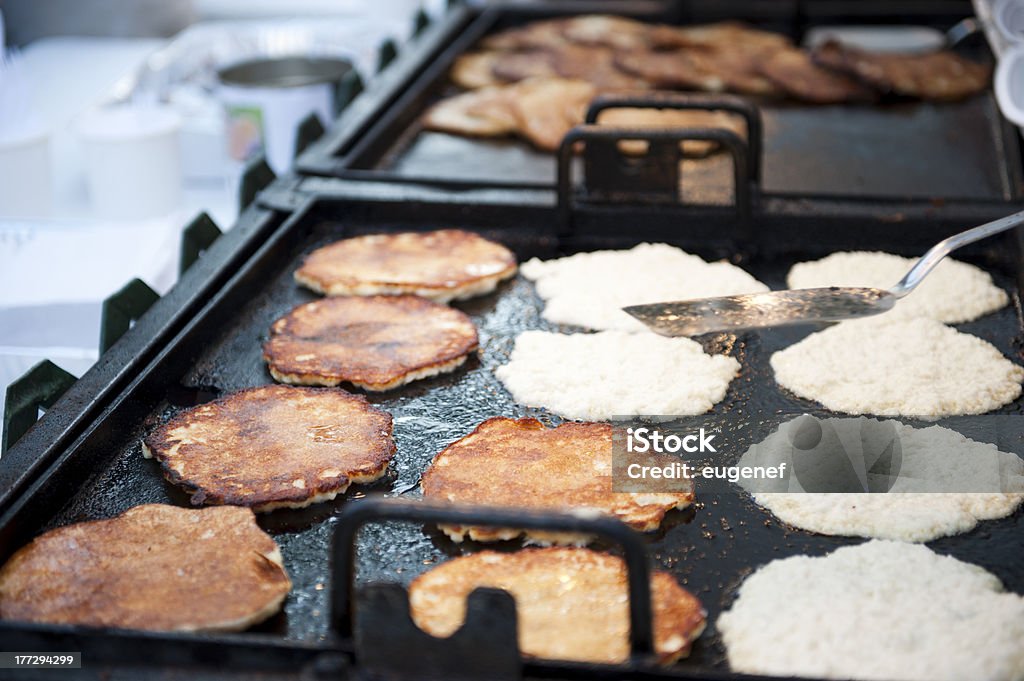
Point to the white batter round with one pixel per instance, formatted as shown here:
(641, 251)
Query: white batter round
(909, 367)
(943, 483)
(954, 291)
(589, 289)
(595, 376)
(879, 610)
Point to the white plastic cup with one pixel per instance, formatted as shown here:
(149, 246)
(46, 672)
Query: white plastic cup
(1008, 19)
(26, 190)
(133, 161)
(1009, 84)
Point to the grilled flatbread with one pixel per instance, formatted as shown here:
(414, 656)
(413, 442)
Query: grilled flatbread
(154, 567)
(571, 604)
(938, 76)
(711, 70)
(274, 447)
(794, 71)
(597, 66)
(519, 463)
(444, 265)
(513, 67)
(375, 342)
(486, 112)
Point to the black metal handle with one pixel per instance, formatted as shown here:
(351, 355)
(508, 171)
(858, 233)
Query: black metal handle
(348, 88)
(256, 177)
(662, 174)
(386, 54)
(122, 308)
(310, 130)
(195, 239)
(40, 386)
(694, 102)
(375, 509)
(420, 22)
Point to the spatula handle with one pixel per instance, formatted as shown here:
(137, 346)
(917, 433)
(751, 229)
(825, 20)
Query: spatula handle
(940, 250)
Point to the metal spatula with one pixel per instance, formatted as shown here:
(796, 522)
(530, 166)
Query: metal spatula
(802, 306)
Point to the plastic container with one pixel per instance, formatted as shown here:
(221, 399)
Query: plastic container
(26, 190)
(265, 100)
(133, 161)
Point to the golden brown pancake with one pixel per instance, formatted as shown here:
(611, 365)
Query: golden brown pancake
(794, 71)
(938, 76)
(475, 70)
(275, 446)
(375, 342)
(571, 604)
(518, 463)
(547, 108)
(444, 265)
(486, 112)
(154, 567)
(667, 119)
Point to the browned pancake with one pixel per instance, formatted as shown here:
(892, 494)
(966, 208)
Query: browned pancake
(546, 109)
(444, 265)
(661, 119)
(274, 446)
(939, 76)
(154, 567)
(730, 35)
(486, 112)
(519, 463)
(376, 342)
(571, 604)
(475, 70)
(795, 72)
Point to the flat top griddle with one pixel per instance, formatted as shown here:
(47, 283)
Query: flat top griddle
(963, 151)
(951, 151)
(709, 548)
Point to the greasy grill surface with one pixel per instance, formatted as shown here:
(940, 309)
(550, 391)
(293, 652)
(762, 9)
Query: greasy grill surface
(709, 548)
(949, 150)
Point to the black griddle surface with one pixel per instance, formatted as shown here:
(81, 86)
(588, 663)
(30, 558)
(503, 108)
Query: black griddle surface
(709, 548)
(891, 150)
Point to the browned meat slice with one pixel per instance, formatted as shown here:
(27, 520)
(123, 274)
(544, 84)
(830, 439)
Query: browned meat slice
(513, 67)
(698, 69)
(486, 112)
(475, 70)
(795, 72)
(597, 66)
(732, 35)
(535, 35)
(547, 108)
(603, 30)
(938, 76)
